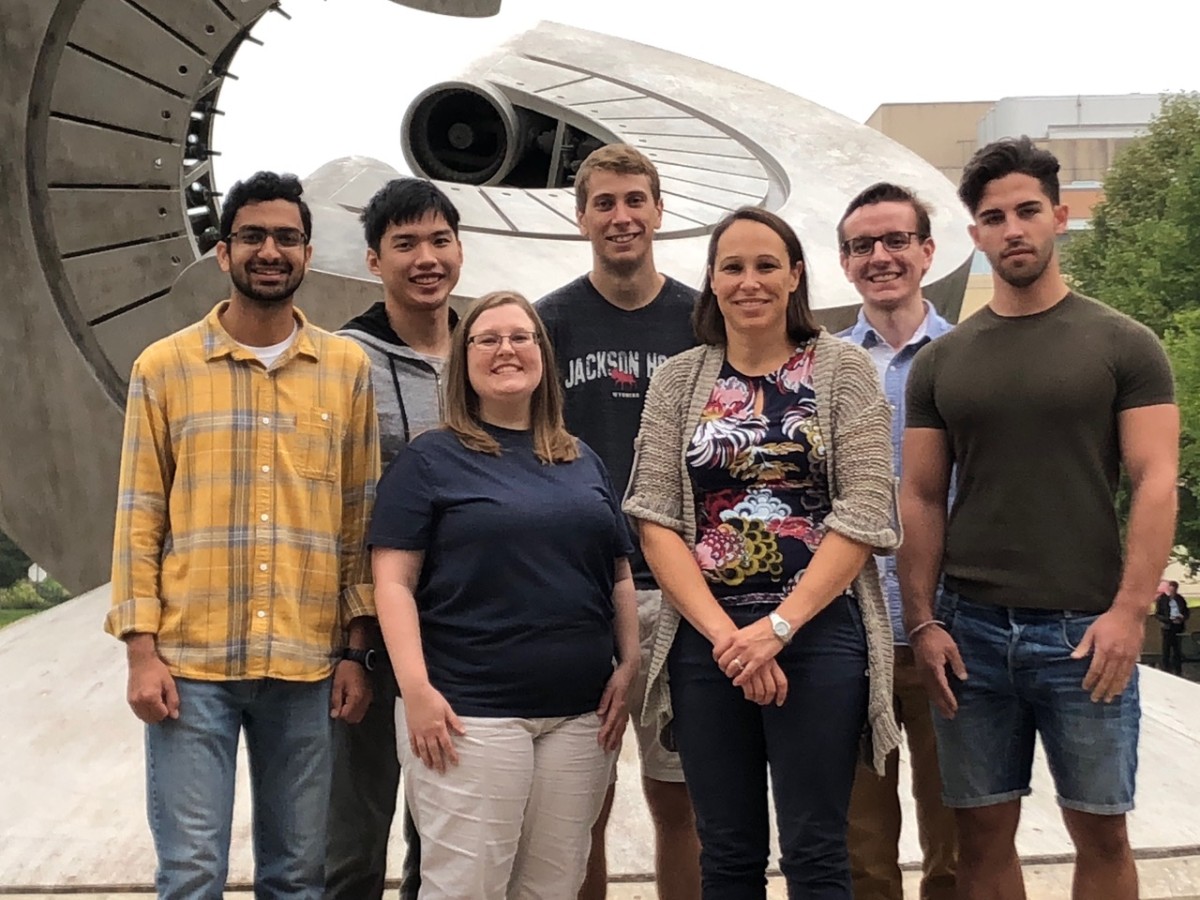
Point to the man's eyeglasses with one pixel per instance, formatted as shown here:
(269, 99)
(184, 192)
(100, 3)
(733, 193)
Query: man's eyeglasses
(518, 340)
(893, 242)
(253, 236)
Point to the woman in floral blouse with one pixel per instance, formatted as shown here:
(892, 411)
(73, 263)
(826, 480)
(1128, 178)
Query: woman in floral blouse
(762, 486)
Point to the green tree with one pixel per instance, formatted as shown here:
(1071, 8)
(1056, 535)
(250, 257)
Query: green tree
(1142, 256)
(14, 564)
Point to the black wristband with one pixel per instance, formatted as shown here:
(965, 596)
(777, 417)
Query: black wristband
(365, 658)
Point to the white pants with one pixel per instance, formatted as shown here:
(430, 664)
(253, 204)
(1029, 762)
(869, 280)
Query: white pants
(512, 821)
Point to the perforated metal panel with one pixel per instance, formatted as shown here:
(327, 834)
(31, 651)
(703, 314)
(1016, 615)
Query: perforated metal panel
(87, 220)
(131, 40)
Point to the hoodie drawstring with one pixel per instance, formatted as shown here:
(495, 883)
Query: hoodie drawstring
(399, 397)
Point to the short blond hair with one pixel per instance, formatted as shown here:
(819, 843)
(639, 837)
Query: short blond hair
(621, 159)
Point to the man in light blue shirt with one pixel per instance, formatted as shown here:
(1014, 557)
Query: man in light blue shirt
(886, 249)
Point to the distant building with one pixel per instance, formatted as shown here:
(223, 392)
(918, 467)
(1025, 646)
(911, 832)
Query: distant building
(1084, 132)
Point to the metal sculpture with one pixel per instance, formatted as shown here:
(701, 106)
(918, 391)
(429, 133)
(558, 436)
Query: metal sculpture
(108, 209)
(106, 196)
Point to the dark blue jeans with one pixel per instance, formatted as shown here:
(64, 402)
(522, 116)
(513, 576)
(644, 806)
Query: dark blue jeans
(810, 744)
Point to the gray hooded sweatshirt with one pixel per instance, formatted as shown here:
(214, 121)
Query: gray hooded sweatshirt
(408, 384)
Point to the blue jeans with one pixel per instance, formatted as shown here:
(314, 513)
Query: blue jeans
(1022, 682)
(191, 764)
(810, 745)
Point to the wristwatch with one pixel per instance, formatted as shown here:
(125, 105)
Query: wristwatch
(782, 628)
(365, 658)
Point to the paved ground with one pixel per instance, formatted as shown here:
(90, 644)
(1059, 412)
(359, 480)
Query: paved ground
(72, 801)
(1161, 879)
(1173, 878)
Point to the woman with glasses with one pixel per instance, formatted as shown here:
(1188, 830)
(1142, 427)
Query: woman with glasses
(504, 593)
(762, 484)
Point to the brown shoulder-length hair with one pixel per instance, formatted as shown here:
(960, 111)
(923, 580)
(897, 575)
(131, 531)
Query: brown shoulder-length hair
(551, 441)
(707, 321)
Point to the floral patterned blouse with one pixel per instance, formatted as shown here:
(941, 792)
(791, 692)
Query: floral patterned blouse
(760, 481)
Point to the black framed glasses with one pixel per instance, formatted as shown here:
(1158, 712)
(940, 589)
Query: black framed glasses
(253, 236)
(518, 340)
(893, 242)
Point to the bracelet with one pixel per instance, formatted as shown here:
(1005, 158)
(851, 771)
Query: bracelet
(917, 629)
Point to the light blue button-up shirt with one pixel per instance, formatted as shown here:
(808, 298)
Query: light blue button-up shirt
(893, 366)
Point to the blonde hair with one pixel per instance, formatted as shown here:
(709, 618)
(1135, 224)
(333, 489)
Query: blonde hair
(552, 443)
(621, 159)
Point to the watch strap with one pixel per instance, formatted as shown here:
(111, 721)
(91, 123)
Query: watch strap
(365, 658)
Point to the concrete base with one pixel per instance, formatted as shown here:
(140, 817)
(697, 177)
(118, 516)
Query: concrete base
(1160, 879)
(72, 795)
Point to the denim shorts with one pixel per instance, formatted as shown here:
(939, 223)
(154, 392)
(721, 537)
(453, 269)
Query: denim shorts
(1022, 683)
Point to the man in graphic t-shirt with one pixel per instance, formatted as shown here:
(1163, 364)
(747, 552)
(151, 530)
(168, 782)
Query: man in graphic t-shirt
(610, 329)
(1035, 403)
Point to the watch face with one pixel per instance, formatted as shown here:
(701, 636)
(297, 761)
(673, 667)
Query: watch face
(781, 626)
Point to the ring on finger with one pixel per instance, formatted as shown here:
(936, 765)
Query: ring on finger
(737, 662)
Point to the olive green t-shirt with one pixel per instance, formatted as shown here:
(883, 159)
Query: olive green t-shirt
(1030, 406)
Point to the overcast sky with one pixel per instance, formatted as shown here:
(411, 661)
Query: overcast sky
(336, 79)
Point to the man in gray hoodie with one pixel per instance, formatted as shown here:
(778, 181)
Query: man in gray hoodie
(411, 229)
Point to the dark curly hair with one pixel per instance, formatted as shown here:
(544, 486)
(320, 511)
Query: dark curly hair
(1005, 157)
(259, 188)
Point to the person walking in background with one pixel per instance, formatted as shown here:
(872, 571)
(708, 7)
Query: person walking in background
(1172, 613)
(761, 485)
(501, 569)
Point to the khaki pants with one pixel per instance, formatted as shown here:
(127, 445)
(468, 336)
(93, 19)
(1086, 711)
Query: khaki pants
(873, 835)
(513, 820)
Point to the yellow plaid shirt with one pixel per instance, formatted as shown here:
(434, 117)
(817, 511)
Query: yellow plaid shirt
(244, 499)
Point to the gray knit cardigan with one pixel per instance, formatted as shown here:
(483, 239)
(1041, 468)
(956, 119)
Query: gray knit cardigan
(856, 421)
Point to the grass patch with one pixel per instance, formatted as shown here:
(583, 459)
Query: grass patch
(8, 616)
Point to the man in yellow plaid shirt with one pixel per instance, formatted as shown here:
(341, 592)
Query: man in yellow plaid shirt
(241, 580)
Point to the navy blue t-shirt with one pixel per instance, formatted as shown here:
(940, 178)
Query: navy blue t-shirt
(515, 593)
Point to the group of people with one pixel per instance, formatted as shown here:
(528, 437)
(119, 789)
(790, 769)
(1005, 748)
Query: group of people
(633, 502)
